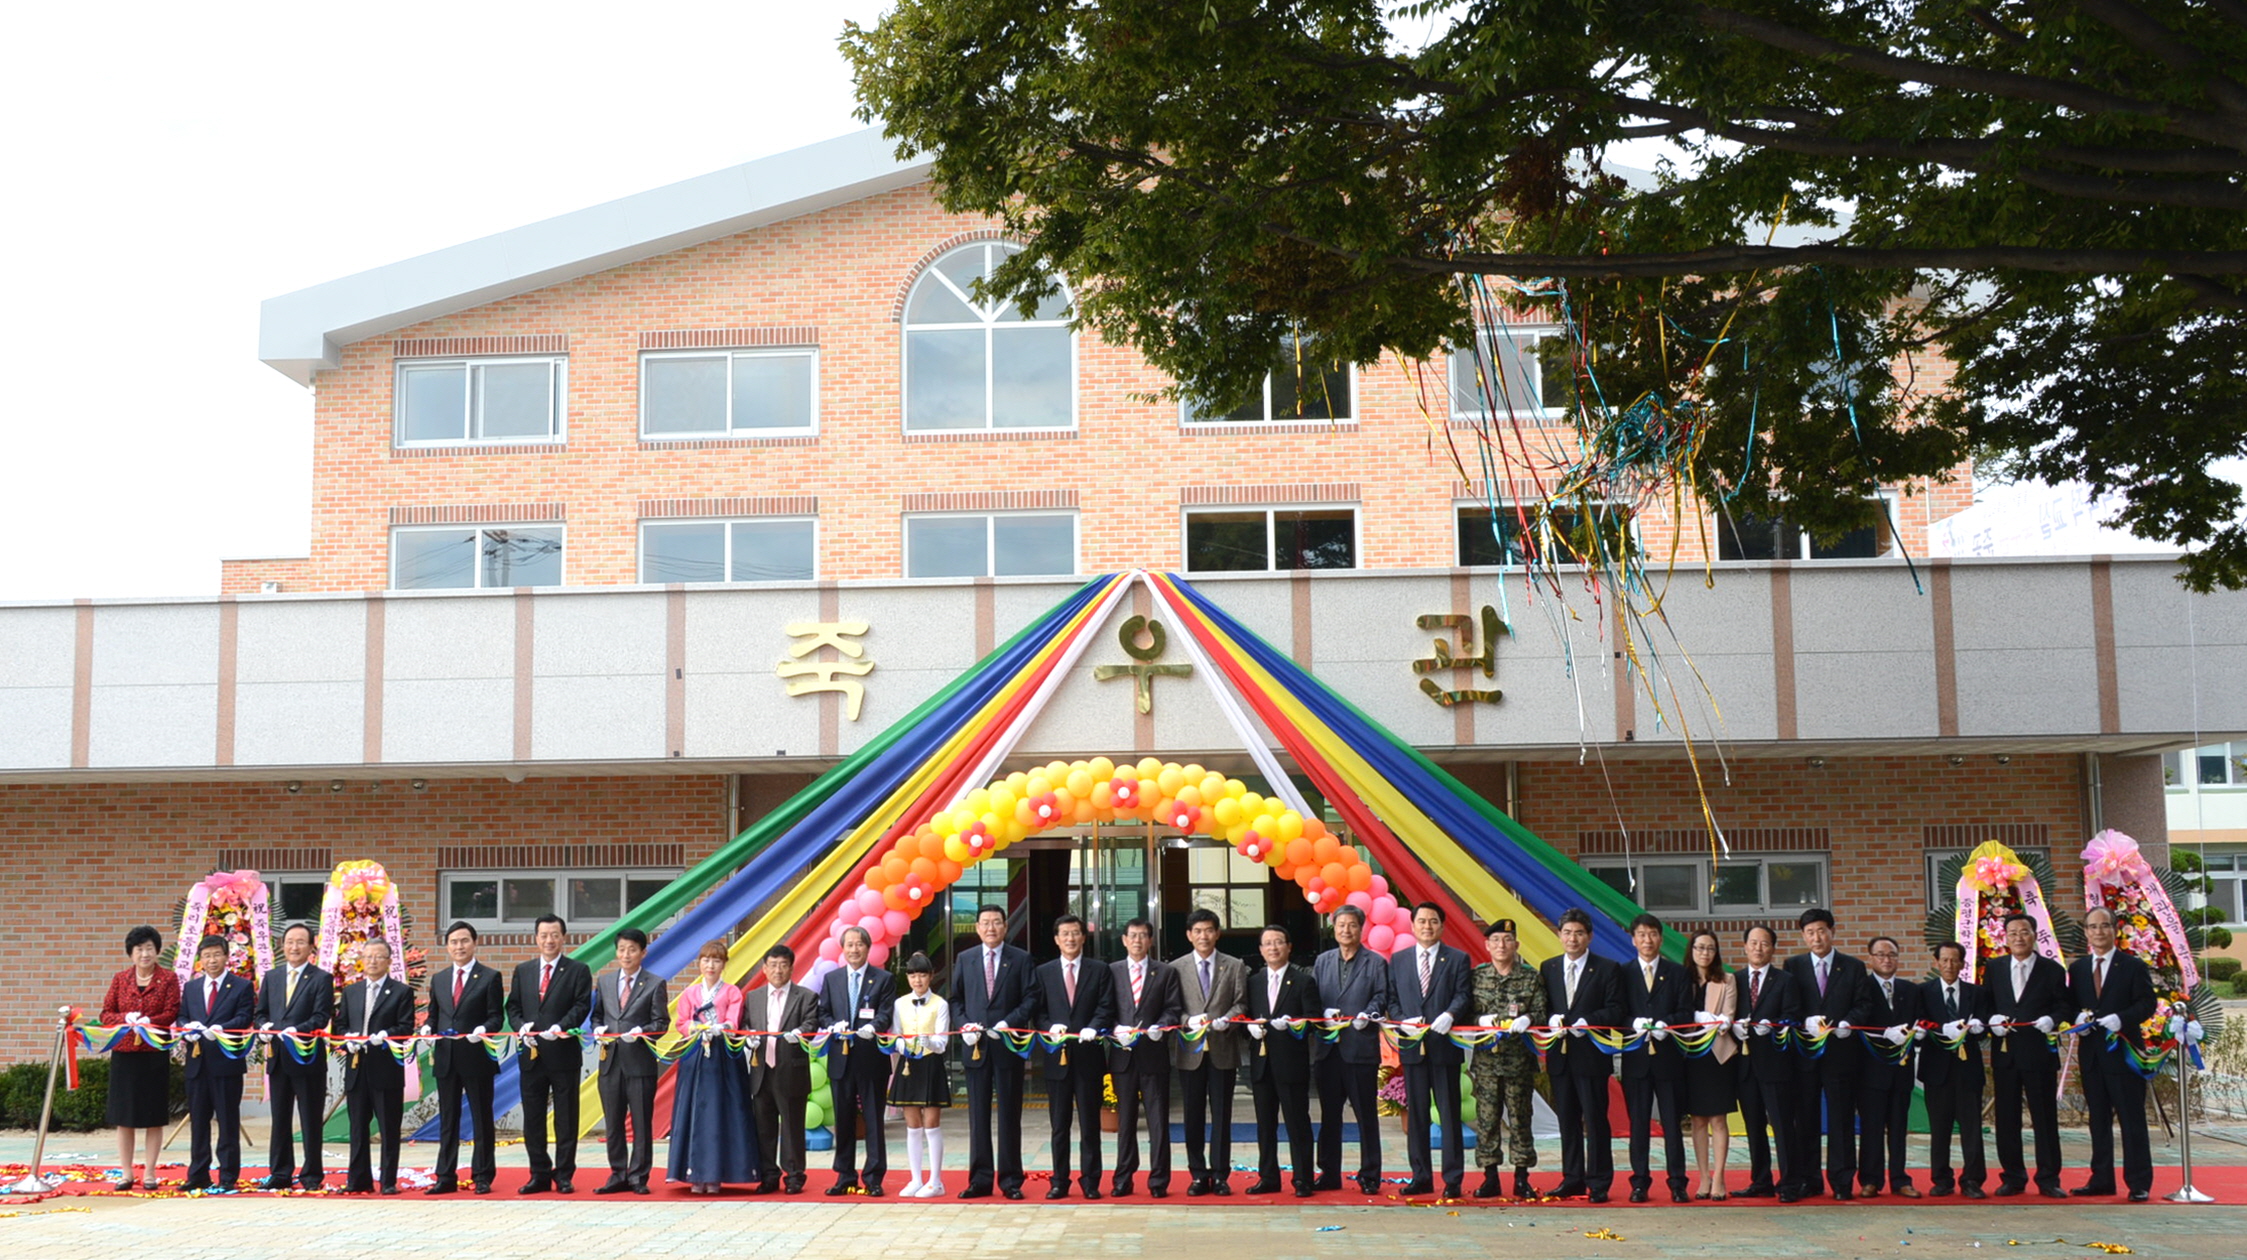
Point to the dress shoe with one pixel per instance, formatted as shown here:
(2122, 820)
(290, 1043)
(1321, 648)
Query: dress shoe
(1012, 1192)
(1160, 1192)
(278, 1181)
(192, 1187)
(312, 1185)
(1331, 1181)
(1907, 1192)
(838, 1190)
(1638, 1194)
(536, 1185)
(357, 1188)
(2093, 1191)
(642, 1189)
(1121, 1189)
(1975, 1192)
(1222, 1187)
(2052, 1192)
(443, 1187)
(1303, 1190)
(2140, 1196)
(1522, 1188)
(1595, 1196)
(1940, 1192)
(873, 1190)
(976, 1192)
(1369, 1185)
(1264, 1185)
(792, 1185)
(1568, 1190)
(1198, 1187)
(392, 1188)
(1756, 1192)
(2006, 1189)
(1091, 1193)
(614, 1187)
(563, 1185)
(1844, 1194)
(1059, 1189)
(1789, 1196)
(1490, 1187)
(1678, 1195)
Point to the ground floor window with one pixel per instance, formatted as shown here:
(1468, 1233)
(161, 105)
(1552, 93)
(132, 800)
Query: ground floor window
(515, 899)
(1744, 884)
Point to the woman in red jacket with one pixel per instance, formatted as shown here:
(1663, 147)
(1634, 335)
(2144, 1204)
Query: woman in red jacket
(139, 1075)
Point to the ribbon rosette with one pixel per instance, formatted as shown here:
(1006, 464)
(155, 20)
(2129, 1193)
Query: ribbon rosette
(2113, 858)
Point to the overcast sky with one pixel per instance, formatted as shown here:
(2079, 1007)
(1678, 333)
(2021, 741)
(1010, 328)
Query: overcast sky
(172, 166)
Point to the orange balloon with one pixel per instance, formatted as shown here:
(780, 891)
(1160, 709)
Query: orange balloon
(1347, 855)
(948, 873)
(896, 869)
(907, 847)
(1361, 877)
(1335, 874)
(877, 878)
(1298, 853)
(1325, 849)
(894, 897)
(925, 868)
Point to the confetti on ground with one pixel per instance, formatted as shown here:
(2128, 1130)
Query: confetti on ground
(1608, 1235)
(1327, 1229)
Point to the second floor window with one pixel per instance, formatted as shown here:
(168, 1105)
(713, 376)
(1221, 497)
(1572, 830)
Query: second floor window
(1264, 540)
(462, 402)
(977, 364)
(1756, 538)
(468, 557)
(1301, 386)
(1506, 379)
(739, 393)
(1560, 533)
(767, 549)
(1000, 544)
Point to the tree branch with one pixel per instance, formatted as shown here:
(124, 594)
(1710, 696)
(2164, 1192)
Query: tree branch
(1724, 258)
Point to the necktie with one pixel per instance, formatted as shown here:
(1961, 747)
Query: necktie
(1205, 982)
(460, 984)
(374, 995)
(623, 995)
(544, 976)
(1755, 989)
(1138, 984)
(1272, 991)
(210, 996)
(2099, 978)
(774, 1002)
(854, 978)
(1821, 977)
(1650, 977)
(288, 991)
(2020, 979)
(1888, 993)
(1571, 992)
(1427, 970)
(1950, 1002)
(991, 975)
(1069, 981)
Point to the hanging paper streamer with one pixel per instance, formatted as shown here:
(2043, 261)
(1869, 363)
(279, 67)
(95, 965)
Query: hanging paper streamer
(233, 905)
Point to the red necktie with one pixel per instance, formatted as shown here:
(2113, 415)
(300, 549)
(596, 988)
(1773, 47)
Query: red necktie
(623, 994)
(543, 977)
(1755, 990)
(460, 982)
(2099, 980)
(1138, 983)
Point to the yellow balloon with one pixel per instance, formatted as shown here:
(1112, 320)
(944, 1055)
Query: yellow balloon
(1016, 780)
(1024, 815)
(1228, 812)
(1079, 783)
(1213, 787)
(1037, 785)
(957, 850)
(1189, 795)
(1002, 802)
(1291, 826)
(1266, 826)
(1101, 768)
(978, 801)
(1193, 773)
(1234, 833)
(1252, 804)
(1149, 767)
(1236, 789)
(1083, 811)
(1170, 779)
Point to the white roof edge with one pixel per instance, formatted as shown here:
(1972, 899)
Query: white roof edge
(302, 332)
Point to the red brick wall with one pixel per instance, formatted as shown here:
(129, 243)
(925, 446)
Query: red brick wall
(90, 861)
(841, 271)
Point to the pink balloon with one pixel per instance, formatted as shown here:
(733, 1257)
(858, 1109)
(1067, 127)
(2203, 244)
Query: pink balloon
(1401, 919)
(1363, 901)
(869, 902)
(832, 948)
(1380, 886)
(1380, 938)
(896, 921)
(874, 927)
(878, 956)
(1384, 906)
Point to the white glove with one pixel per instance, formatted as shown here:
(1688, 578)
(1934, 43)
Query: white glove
(1557, 1022)
(792, 1037)
(1953, 1029)
(552, 1032)
(1641, 1024)
(1489, 1019)
(1661, 1031)
(865, 1032)
(2083, 1016)
(2000, 1022)
(1898, 1035)
(1843, 1029)
(1282, 1023)
(841, 1028)
(1441, 1024)
(526, 1032)
(1155, 1033)
(1195, 1023)
(1256, 1031)
(1086, 1034)
(1124, 1033)
(1919, 1034)
(2044, 1024)
(477, 1032)
(423, 1031)
(970, 1035)
(636, 1031)
(267, 1026)
(1815, 1025)
(1058, 1030)
(1580, 1026)
(1763, 1028)
(600, 1030)
(1360, 1020)
(1333, 1012)
(2112, 1023)
(1743, 1029)
(1976, 1027)
(1705, 1017)
(381, 1037)
(354, 1042)
(1519, 1025)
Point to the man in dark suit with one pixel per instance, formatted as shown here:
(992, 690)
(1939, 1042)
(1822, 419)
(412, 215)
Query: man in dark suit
(1891, 1009)
(1215, 989)
(548, 1004)
(1768, 1003)
(634, 1007)
(468, 999)
(1433, 988)
(1148, 1000)
(2114, 992)
(856, 1003)
(215, 999)
(1950, 1076)
(1076, 1001)
(2028, 997)
(780, 1070)
(1656, 993)
(1582, 990)
(1354, 983)
(1826, 1102)
(1281, 998)
(377, 1012)
(296, 997)
(991, 989)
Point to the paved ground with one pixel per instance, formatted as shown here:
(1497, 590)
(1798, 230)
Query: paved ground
(477, 1229)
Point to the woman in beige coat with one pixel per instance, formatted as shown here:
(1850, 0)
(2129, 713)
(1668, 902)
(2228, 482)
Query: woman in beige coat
(1710, 1094)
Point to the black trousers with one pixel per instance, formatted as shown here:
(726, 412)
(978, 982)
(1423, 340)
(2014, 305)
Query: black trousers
(1357, 1084)
(780, 1129)
(996, 1078)
(861, 1095)
(1826, 1106)
(215, 1098)
(1443, 1079)
(2109, 1095)
(2039, 1092)
(1149, 1089)
(539, 1086)
(478, 1092)
(307, 1094)
(1587, 1140)
(369, 1105)
(1769, 1105)
(1643, 1098)
(1884, 1115)
(629, 1098)
(1278, 1100)
(1075, 1095)
(1957, 1103)
(1206, 1098)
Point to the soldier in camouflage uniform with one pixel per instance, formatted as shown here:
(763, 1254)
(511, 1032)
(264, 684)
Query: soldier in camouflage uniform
(1507, 992)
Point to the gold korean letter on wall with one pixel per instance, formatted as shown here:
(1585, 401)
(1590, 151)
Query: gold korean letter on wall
(829, 675)
(1143, 669)
(1465, 658)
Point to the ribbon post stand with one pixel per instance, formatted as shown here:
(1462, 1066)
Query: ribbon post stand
(2186, 1193)
(32, 1183)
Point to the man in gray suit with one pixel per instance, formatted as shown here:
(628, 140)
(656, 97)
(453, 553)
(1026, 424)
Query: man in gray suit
(1355, 983)
(780, 1069)
(1216, 994)
(631, 1002)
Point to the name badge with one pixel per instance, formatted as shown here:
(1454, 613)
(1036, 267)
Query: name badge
(866, 1012)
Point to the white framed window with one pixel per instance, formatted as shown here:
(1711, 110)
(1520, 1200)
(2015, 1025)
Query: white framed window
(1267, 540)
(729, 393)
(751, 549)
(474, 557)
(1234, 888)
(1562, 533)
(1938, 891)
(294, 899)
(990, 544)
(976, 364)
(472, 402)
(1301, 386)
(512, 900)
(1757, 538)
(1506, 370)
(2199, 769)
(1744, 884)
(2227, 880)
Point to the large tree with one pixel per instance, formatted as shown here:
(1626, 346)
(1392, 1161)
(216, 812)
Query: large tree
(2043, 199)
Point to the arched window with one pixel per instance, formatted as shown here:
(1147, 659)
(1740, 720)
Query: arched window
(972, 364)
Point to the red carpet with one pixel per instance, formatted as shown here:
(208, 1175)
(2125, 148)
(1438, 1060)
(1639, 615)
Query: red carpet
(2227, 1183)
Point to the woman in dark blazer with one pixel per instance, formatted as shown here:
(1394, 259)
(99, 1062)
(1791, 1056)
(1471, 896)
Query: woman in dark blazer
(140, 1076)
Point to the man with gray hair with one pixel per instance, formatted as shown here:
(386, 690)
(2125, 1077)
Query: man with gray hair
(1355, 984)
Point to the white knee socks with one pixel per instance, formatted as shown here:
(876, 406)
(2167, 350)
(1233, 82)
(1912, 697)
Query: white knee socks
(933, 1187)
(912, 1188)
